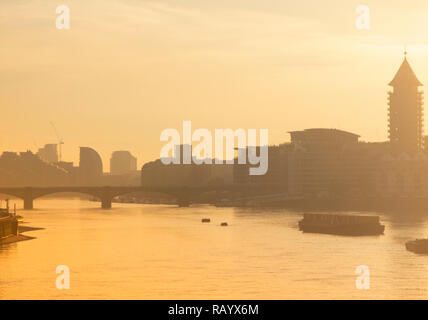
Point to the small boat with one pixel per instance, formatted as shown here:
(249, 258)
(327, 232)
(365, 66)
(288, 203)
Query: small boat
(341, 224)
(224, 224)
(418, 246)
(206, 220)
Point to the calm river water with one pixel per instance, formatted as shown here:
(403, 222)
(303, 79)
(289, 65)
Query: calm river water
(164, 252)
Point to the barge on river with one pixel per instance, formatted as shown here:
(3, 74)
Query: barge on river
(8, 224)
(341, 224)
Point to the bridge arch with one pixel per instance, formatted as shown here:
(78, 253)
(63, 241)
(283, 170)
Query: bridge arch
(184, 194)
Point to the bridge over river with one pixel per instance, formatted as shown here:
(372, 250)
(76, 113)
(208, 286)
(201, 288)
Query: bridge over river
(107, 193)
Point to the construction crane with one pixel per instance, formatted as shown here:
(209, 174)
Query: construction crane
(60, 141)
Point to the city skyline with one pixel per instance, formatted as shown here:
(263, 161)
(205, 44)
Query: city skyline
(404, 72)
(283, 82)
(201, 150)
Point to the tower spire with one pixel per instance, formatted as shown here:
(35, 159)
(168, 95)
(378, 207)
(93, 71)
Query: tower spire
(405, 74)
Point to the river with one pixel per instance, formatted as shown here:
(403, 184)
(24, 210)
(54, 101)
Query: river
(139, 251)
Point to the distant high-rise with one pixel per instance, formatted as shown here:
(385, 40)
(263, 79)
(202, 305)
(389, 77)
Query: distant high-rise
(90, 166)
(406, 111)
(49, 153)
(122, 162)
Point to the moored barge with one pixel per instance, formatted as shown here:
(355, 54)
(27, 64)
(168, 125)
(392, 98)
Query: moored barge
(341, 224)
(8, 224)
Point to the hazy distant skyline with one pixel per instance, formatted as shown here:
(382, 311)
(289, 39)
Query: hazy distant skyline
(129, 69)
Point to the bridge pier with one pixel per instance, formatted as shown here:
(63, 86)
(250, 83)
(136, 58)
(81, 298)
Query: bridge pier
(28, 203)
(106, 203)
(28, 198)
(106, 198)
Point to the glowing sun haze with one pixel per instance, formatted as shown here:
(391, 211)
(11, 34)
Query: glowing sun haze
(128, 69)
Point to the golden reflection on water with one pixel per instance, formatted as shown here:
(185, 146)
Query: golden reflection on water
(165, 252)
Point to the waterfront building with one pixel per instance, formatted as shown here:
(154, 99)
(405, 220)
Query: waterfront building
(27, 169)
(329, 163)
(155, 173)
(401, 176)
(277, 173)
(322, 162)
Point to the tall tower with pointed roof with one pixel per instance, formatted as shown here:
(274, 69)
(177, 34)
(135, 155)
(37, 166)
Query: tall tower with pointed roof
(405, 111)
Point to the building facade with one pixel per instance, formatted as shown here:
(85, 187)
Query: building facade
(405, 112)
(49, 153)
(122, 162)
(277, 173)
(90, 167)
(322, 162)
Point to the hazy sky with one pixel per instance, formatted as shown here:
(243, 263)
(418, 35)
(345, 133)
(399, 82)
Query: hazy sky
(127, 69)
